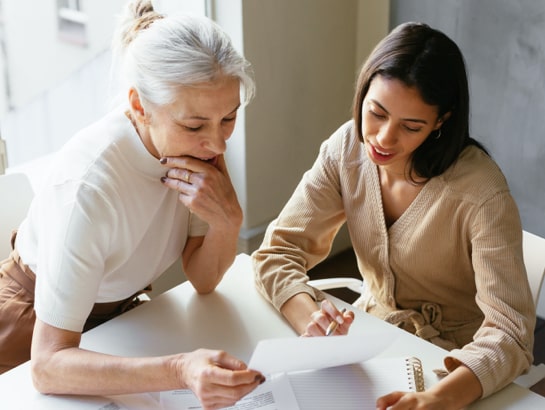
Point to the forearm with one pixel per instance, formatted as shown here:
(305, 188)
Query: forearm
(59, 366)
(78, 371)
(205, 263)
(458, 389)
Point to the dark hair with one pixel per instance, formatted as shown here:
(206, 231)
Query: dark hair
(427, 59)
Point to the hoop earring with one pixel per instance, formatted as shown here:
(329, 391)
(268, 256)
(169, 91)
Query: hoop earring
(438, 134)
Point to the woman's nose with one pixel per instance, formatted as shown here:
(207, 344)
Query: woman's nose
(387, 135)
(216, 141)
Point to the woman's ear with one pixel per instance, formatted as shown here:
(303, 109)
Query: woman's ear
(137, 109)
(441, 121)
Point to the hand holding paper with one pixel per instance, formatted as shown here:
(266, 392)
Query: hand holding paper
(284, 360)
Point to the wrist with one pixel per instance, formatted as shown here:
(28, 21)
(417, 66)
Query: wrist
(298, 310)
(458, 389)
(225, 233)
(175, 369)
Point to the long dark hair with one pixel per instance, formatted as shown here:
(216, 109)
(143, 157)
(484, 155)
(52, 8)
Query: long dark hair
(427, 59)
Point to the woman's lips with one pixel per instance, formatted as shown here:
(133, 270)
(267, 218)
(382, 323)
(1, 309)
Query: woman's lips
(212, 161)
(379, 154)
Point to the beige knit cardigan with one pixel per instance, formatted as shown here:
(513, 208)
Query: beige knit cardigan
(450, 269)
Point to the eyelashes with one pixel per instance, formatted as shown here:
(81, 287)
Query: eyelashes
(196, 129)
(383, 117)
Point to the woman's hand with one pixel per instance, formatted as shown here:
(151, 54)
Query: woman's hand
(457, 390)
(217, 379)
(205, 188)
(411, 401)
(328, 313)
(59, 366)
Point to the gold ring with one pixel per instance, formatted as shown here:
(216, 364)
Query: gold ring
(188, 176)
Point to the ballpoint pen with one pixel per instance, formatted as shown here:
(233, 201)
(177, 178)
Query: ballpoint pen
(333, 325)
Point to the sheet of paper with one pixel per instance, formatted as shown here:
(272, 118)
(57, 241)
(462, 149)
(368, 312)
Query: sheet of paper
(362, 384)
(305, 353)
(275, 393)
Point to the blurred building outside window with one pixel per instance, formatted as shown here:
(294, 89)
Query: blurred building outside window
(72, 22)
(55, 63)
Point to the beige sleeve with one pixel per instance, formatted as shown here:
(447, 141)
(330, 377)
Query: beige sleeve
(502, 347)
(303, 233)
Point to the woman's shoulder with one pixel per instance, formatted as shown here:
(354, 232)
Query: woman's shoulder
(345, 133)
(475, 175)
(344, 144)
(92, 156)
(89, 142)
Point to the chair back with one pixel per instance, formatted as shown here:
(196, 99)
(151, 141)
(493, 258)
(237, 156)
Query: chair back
(15, 196)
(533, 248)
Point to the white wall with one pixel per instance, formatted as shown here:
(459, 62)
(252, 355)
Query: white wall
(306, 55)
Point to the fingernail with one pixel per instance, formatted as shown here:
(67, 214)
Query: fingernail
(163, 160)
(259, 378)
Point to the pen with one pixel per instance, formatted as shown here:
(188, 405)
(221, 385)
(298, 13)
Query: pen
(333, 325)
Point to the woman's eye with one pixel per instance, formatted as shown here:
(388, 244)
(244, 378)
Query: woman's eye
(410, 129)
(192, 129)
(376, 114)
(229, 119)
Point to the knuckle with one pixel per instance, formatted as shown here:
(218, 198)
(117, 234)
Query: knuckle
(173, 173)
(207, 373)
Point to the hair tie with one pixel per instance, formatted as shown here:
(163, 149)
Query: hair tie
(142, 23)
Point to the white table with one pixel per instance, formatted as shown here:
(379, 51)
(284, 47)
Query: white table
(233, 318)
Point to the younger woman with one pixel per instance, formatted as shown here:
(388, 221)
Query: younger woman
(436, 232)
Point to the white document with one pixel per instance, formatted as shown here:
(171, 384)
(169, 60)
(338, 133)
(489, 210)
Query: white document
(350, 387)
(290, 354)
(276, 393)
(305, 373)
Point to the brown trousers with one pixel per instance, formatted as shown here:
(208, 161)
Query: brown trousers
(17, 315)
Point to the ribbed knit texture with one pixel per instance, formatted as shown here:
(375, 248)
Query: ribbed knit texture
(450, 269)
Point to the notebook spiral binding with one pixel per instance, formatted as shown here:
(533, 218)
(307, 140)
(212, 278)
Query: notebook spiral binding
(415, 374)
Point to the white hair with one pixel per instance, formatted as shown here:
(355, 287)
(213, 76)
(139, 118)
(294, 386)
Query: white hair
(158, 54)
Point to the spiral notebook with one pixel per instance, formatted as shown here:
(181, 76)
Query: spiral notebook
(347, 387)
(356, 386)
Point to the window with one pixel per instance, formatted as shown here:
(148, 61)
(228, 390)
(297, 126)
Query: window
(72, 22)
(39, 113)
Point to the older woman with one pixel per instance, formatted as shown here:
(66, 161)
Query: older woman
(127, 196)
